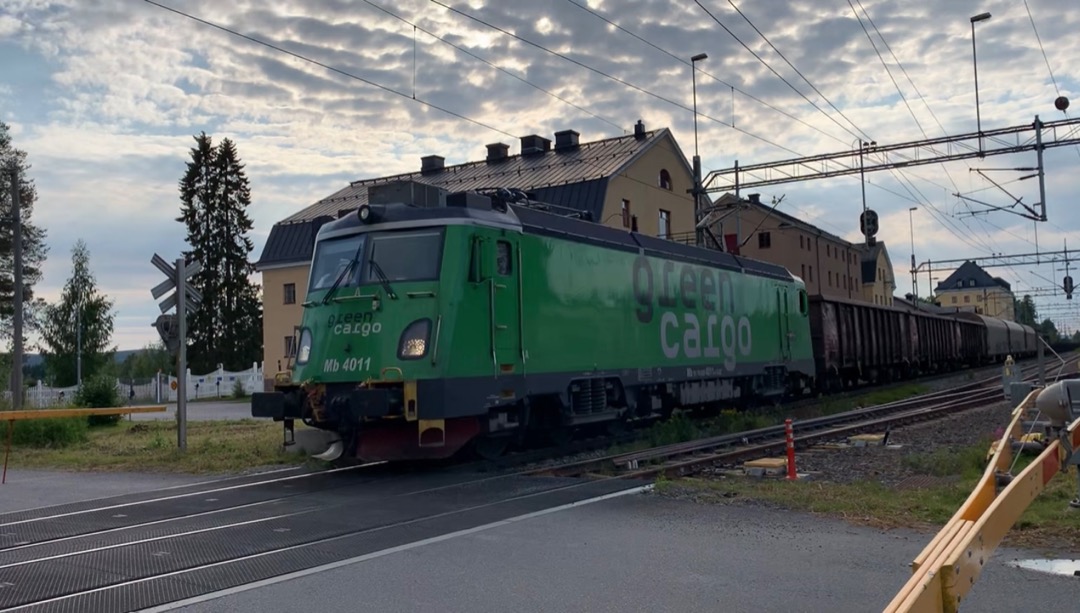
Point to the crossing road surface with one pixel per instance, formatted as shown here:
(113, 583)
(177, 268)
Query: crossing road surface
(202, 411)
(376, 539)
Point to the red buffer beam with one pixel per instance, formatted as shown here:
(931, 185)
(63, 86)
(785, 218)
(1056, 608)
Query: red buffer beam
(1015, 139)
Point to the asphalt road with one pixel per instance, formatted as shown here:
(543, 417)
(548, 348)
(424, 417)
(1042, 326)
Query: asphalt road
(202, 411)
(448, 541)
(645, 553)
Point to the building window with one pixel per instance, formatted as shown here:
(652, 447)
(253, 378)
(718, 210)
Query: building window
(978, 298)
(954, 299)
(830, 276)
(971, 282)
(845, 282)
(290, 293)
(828, 250)
(290, 346)
(665, 224)
(802, 243)
(665, 179)
(764, 241)
(803, 271)
(967, 299)
(811, 274)
(625, 213)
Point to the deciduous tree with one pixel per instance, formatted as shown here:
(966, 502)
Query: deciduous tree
(83, 312)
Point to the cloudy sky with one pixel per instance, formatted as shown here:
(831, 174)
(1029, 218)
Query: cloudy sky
(105, 96)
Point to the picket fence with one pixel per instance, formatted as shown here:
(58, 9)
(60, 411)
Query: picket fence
(159, 389)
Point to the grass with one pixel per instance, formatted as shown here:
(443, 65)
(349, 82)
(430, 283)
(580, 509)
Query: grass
(680, 427)
(1048, 523)
(151, 446)
(829, 406)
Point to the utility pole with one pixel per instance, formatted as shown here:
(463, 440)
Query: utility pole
(78, 344)
(181, 362)
(17, 317)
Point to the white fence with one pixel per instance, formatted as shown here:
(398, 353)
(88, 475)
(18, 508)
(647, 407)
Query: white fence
(161, 389)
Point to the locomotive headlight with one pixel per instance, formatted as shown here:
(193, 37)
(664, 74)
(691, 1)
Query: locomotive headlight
(364, 213)
(414, 340)
(303, 349)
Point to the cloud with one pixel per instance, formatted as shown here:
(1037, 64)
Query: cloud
(127, 85)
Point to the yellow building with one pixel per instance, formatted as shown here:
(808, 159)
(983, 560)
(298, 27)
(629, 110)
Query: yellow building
(639, 179)
(970, 288)
(829, 265)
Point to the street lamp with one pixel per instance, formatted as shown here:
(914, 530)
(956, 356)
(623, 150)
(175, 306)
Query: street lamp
(697, 159)
(911, 229)
(975, 63)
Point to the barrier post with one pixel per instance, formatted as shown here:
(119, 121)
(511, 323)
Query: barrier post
(790, 434)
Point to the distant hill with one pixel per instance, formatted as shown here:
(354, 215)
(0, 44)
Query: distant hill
(33, 359)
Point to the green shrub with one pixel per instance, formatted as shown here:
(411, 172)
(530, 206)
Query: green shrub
(238, 389)
(99, 391)
(50, 432)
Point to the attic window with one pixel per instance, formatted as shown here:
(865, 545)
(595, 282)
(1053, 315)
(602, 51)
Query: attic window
(971, 282)
(665, 179)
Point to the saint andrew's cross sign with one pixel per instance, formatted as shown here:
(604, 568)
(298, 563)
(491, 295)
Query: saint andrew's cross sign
(172, 327)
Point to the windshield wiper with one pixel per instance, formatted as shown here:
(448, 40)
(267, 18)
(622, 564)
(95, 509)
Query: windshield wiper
(383, 279)
(344, 273)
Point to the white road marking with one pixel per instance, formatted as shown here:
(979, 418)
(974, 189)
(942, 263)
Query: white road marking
(199, 493)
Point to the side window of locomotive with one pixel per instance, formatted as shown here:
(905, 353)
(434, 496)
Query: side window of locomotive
(804, 305)
(503, 259)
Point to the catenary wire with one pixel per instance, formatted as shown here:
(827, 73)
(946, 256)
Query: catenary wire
(610, 76)
(330, 68)
(493, 65)
(706, 73)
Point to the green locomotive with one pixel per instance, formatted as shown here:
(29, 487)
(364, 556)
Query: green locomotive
(481, 319)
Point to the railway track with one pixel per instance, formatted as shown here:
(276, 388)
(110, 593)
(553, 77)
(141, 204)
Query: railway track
(688, 457)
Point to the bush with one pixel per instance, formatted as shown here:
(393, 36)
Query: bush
(50, 432)
(238, 389)
(99, 391)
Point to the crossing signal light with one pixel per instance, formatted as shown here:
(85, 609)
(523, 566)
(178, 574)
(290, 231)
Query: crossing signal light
(168, 329)
(1068, 287)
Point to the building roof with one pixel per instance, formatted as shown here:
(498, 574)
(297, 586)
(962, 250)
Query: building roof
(573, 176)
(971, 276)
(291, 242)
(728, 200)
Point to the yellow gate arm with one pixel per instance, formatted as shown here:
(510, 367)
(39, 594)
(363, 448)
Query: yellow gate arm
(13, 416)
(61, 413)
(948, 567)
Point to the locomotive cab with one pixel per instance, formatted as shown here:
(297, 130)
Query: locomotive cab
(385, 287)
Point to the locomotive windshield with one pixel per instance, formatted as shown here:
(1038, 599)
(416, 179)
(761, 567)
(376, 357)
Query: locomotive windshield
(379, 257)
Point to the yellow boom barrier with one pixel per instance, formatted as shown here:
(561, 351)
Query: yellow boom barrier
(948, 567)
(13, 416)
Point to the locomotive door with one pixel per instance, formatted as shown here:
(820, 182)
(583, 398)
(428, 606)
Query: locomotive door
(784, 331)
(505, 288)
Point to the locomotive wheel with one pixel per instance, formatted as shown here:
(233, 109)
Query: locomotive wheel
(490, 447)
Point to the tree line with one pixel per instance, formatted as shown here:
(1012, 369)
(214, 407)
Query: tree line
(76, 330)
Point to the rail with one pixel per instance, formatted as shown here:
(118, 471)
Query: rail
(13, 416)
(947, 568)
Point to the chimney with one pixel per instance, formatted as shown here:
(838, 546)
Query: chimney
(754, 198)
(534, 143)
(497, 151)
(431, 163)
(566, 139)
(639, 130)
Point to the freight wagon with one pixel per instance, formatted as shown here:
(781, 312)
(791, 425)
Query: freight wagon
(857, 341)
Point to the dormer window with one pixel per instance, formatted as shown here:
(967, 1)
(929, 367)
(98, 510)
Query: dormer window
(665, 179)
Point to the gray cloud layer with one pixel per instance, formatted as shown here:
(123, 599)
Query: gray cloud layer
(129, 83)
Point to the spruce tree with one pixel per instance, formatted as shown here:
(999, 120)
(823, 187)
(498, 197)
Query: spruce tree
(215, 194)
(33, 240)
(80, 308)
